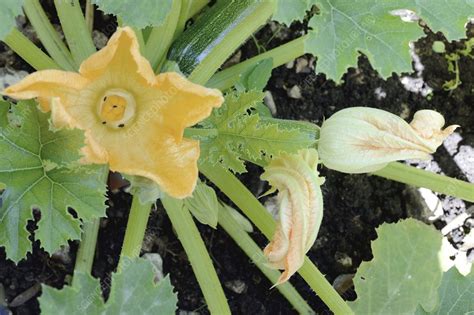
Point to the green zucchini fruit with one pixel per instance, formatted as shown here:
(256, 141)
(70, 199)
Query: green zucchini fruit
(218, 33)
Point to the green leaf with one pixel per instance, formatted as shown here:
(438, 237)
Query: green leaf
(288, 11)
(147, 190)
(9, 10)
(203, 204)
(84, 298)
(343, 29)
(133, 292)
(456, 294)
(137, 13)
(38, 167)
(242, 135)
(256, 76)
(404, 272)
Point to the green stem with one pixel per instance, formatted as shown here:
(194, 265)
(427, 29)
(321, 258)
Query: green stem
(200, 133)
(261, 11)
(86, 252)
(161, 37)
(420, 178)
(140, 38)
(252, 208)
(198, 256)
(136, 227)
(75, 29)
(89, 15)
(48, 35)
(183, 17)
(195, 7)
(282, 54)
(28, 51)
(247, 244)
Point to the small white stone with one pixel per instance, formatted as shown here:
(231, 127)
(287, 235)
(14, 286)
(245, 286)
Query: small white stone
(295, 92)
(302, 65)
(270, 102)
(237, 286)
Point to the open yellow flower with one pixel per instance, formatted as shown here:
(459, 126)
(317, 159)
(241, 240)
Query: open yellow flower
(133, 120)
(300, 202)
(364, 139)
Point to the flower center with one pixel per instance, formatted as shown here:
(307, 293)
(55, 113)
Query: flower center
(117, 108)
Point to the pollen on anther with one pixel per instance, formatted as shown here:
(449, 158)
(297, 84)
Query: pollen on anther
(104, 123)
(121, 125)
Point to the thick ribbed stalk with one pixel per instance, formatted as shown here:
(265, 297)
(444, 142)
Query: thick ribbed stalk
(420, 178)
(86, 252)
(28, 51)
(89, 15)
(161, 37)
(198, 256)
(136, 227)
(282, 54)
(75, 29)
(48, 35)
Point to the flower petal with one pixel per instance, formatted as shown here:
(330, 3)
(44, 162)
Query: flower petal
(428, 124)
(187, 103)
(47, 84)
(171, 164)
(362, 139)
(120, 55)
(301, 209)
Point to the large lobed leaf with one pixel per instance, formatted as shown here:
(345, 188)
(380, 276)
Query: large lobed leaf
(404, 272)
(38, 167)
(133, 292)
(288, 11)
(137, 13)
(344, 28)
(9, 10)
(243, 136)
(456, 294)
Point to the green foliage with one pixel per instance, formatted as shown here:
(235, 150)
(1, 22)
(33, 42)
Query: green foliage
(133, 292)
(256, 76)
(39, 168)
(456, 294)
(343, 29)
(137, 13)
(404, 272)
(147, 190)
(242, 135)
(203, 204)
(288, 11)
(9, 10)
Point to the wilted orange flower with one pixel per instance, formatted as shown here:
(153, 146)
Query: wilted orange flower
(300, 209)
(133, 120)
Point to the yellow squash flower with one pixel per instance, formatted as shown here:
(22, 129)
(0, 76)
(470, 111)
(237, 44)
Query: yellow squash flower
(300, 209)
(133, 120)
(364, 139)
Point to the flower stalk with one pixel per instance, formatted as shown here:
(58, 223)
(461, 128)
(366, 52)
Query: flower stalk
(136, 228)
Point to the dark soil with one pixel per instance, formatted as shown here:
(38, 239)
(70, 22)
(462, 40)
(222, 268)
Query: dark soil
(354, 204)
